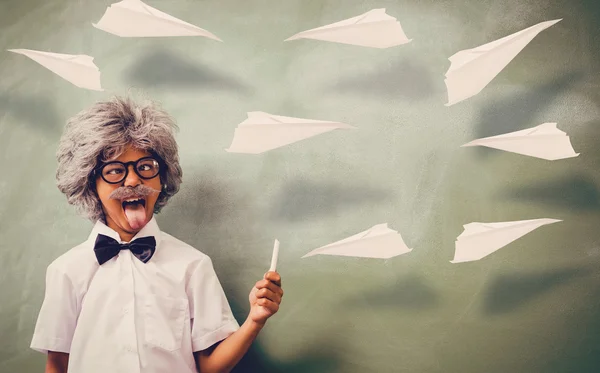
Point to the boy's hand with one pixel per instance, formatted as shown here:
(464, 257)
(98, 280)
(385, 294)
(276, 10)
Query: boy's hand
(265, 298)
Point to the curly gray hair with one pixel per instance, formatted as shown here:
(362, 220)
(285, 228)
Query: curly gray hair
(102, 133)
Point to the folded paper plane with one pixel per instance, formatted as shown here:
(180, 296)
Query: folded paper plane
(262, 132)
(133, 18)
(377, 242)
(473, 69)
(373, 29)
(544, 141)
(79, 69)
(479, 240)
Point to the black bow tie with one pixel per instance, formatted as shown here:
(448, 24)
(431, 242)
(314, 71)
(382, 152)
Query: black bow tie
(107, 247)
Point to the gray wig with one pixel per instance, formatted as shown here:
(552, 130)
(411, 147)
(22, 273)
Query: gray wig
(102, 133)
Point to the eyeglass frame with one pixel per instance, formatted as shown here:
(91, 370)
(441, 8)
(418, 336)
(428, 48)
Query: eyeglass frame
(98, 169)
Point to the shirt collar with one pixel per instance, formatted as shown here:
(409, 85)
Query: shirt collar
(150, 229)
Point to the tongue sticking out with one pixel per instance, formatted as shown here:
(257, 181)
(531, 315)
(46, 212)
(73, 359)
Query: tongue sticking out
(136, 215)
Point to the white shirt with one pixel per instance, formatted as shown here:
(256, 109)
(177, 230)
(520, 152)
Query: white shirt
(127, 316)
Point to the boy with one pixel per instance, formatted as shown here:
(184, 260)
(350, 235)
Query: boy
(132, 298)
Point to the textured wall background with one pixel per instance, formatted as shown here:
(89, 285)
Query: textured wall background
(531, 307)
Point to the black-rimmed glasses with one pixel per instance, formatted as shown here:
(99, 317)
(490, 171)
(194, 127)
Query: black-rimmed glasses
(115, 172)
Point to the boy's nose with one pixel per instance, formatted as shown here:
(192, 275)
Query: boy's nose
(132, 178)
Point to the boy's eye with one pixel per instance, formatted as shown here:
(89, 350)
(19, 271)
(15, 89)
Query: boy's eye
(113, 170)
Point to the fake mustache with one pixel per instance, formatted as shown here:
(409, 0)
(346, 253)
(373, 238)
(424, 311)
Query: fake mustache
(138, 191)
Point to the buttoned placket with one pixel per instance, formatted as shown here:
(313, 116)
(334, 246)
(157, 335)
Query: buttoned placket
(128, 330)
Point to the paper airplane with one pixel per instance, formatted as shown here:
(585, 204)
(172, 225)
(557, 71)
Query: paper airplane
(78, 69)
(481, 239)
(373, 29)
(262, 132)
(133, 18)
(377, 242)
(473, 69)
(544, 141)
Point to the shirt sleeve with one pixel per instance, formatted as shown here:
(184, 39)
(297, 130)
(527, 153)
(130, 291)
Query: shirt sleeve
(210, 313)
(58, 316)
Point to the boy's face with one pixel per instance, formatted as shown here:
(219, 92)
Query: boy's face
(128, 204)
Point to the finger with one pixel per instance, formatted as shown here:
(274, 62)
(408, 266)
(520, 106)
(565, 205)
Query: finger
(268, 304)
(273, 277)
(262, 284)
(271, 295)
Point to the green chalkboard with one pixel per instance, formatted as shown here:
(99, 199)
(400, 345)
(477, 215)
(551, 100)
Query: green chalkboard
(532, 306)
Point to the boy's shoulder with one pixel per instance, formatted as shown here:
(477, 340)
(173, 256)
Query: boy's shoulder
(180, 249)
(77, 260)
(183, 249)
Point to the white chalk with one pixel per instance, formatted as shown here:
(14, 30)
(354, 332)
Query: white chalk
(275, 256)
